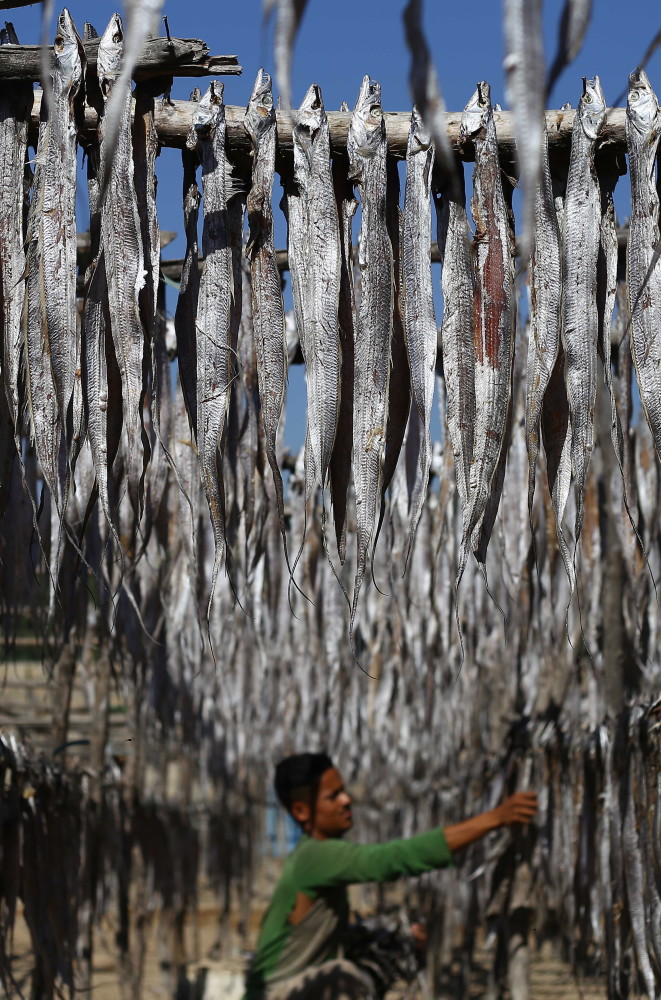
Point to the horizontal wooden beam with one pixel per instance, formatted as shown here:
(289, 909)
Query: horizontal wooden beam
(159, 57)
(174, 120)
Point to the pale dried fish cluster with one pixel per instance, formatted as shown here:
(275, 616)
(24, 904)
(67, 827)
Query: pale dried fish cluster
(162, 495)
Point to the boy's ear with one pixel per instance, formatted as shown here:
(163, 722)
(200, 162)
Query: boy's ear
(301, 812)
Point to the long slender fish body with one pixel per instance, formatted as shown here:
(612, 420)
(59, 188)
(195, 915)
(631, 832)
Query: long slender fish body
(124, 260)
(399, 382)
(267, 306)
(189, 286)
(58, 230)
(44, 413)
(288, 20)
(580, 319)
(457, 342)
(425, 87)
(366, 146)
(418, 297)
(643, 269)
(7, 452)
(494, 313)
(544, 329)
(574, 23)
(142, 18)
(340, 464)
(524, 86)
(216, 355)
(15, 107)
(315, 261)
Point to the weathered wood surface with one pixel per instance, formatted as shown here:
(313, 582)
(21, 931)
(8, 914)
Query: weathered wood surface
(174, 119)
(160, 57)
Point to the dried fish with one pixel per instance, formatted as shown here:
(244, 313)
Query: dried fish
(315, 266)
(340, 464)
(574, 23)
(15, 107)
(58, 231)
(643, 268)
(418, 297)
(288, 20)
(457, 343)
(366, 146)
(124, 260)
(141, 23)
(524, 85)
(267, 305)
(216, 354)
(580, 321)
(544, 329)
(399, 381)
(189, 286)
(494, 316)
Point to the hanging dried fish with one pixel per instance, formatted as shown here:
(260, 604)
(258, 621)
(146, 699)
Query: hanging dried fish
(399, 381)
(574, 23)
(340, 464)
(15, 107)
(141, 23)
(494, 316)
(288, 20)
(7, 453)
(44, 413)
(524, 86)
(366, 146)
(580, 321)
(189, 286)
(544, 328)
(643, 268)
(216, 354)
(315, 265)
(418, 297)
(267, 305)
(123, 255)
(457, 343)
(58, 211)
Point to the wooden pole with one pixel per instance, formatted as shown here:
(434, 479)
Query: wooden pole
(175, 118)
(159, 57)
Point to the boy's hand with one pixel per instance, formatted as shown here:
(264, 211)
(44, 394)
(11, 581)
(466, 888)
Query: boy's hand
(518, 808)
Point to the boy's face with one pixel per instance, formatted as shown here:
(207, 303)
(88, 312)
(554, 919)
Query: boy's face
(332, 813)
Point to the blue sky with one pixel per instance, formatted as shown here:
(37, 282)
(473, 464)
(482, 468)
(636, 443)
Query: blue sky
(341, 41)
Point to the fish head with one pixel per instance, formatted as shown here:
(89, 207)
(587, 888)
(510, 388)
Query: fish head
(260, 113)
(367, 124)
(642, 103)
(69, 52)
(309, 120)
(419, 137)
(477, 111)
(111, 53)
(206, 113)
(592, 107)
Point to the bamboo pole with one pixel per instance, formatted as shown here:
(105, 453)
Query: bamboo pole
(175, 118)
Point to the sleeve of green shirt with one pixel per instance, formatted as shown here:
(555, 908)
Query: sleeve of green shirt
(326, 863)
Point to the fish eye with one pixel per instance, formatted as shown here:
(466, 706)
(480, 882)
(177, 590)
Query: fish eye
(267, 101)
(587, 97)
(376, 111)
(634, 95)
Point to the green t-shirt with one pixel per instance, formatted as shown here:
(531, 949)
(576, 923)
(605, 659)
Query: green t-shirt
(322, 869)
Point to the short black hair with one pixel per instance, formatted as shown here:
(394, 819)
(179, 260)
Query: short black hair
(297, 777)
